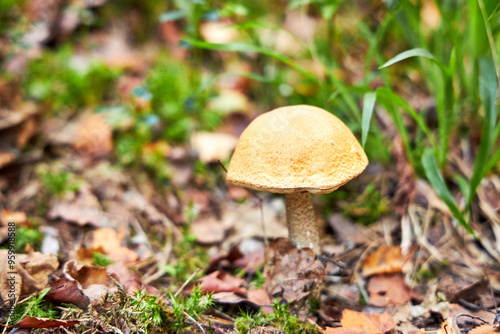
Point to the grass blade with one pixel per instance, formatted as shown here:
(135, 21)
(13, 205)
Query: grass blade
(437, 182)
(488, 88)
(417, 52)
(368, 107)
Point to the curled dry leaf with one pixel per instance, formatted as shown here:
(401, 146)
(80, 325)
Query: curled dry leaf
(292, 273)
(95, 281)
(387, 260)
(29, 273)
(372, 323)
(67, 291)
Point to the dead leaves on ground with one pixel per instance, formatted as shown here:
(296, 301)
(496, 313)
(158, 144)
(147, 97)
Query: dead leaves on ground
(30, 272)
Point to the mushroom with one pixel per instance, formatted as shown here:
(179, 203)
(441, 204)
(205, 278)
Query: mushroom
(296, 151)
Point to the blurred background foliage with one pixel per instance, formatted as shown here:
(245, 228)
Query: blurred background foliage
(423, 71)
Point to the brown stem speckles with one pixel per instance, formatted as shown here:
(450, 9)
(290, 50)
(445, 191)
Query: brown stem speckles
(302, 229)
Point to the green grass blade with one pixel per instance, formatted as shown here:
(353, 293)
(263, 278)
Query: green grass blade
(248, 47)
(368, 107)
(488, 88)
(437, 182)
(417, 52)
(391, 97)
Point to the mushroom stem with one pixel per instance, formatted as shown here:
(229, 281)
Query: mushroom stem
(302, 229)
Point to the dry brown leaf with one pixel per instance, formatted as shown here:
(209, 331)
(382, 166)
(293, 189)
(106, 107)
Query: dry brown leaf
(29, 273)
(83, 209)
(95, 281)
(291, 273)
(259, 297)
(209, 231)
(388, 290)
(32, 322)
(387, 260)
(93, 137)
(129, 280)
(67, 291)
(372, 323)
(220, 281)
(10, 118)
(109, 241)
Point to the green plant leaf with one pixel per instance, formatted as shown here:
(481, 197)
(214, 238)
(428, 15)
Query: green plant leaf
(488, 88)
(368, 107)
(247, 47)
(417, 52)
(437, 182)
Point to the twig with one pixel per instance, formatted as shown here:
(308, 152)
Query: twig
(196, 322)
(186, 282)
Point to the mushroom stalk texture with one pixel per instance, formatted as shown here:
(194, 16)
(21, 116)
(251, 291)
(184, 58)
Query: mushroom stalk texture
(302, 229)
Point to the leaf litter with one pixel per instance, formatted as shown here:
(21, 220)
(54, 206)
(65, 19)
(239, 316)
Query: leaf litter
(415, 269)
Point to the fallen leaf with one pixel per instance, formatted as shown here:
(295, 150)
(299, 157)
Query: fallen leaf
(95, 281)
(259, 297)
(32, 322)
(93, 137)
(291, 273)
(388, 289)
(109, 241)
(387, 260)
(372, 323)
(220, 281)
(209, 231)
(27, 275)
(129, 280)
(10, 118)
(68, 291)
(83, 209)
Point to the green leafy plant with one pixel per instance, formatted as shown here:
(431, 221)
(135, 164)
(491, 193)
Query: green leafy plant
(56, 81)
(101, 260)
(191, 308)
(35, 306)
(281, 318)
(189, 257)
(28, 235)
(56, 180)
